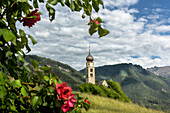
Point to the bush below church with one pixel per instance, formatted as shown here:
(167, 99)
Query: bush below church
(114, 91)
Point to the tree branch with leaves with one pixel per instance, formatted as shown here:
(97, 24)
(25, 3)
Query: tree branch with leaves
(26, 89)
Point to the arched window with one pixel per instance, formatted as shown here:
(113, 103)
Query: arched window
(91, 75)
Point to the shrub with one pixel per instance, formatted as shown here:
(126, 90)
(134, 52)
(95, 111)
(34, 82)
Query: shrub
(115, 92)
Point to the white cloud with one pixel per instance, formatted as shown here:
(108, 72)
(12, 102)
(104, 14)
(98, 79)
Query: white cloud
(66, 39)
(119, 3)
(163, 28)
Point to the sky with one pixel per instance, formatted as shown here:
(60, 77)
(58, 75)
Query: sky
(139, 34)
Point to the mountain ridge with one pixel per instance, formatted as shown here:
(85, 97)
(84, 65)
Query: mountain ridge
(140, 85)
(160, 71)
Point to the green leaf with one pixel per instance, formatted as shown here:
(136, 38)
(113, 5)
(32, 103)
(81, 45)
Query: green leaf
(72, 5)
(13, 108)
(52, 89)
(67, 3)
(8, 54)
(40, 73)
(50, 82)
(102, 32)
(45, 68)
(51, 12)
(6, 35)
(2, 23)
(1, 32)
(22, 33)
(27, 69)
(24, 92)
(101, 2)
(46, 78)
(87, 8)
(3, 92)
(93, 28)
(22, 0)
(95, 5)
(28, 48)
(16, 84)
(20, 58)
(34, 101)
(99, 20)
(1, 43)
(35, 64)
(53, 2)
(78, 2)
(86, 105)
(35, 3)
(24, 40)
(78, 110)
(22, 107)
(13, 40)
(25, 8)
(32, 39)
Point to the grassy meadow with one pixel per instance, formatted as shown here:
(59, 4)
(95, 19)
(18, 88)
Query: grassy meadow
(107, 105)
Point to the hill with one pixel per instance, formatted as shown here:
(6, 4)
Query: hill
(66, 73)
(140, 85)
(106, 105)
(160, 71)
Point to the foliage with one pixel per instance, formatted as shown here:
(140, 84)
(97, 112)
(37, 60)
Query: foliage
(38, 94)
(114, 91)
(22, 89)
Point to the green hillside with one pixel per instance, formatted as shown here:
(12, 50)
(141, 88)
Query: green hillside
(64, 71)
(106, 105)
(140, 85)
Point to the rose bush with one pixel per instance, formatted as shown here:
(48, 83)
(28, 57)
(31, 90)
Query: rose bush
(33, 88)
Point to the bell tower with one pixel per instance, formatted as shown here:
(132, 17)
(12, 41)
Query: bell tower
(90, 69)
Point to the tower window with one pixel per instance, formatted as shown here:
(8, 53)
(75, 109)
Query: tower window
(91, 70)
(91, 75)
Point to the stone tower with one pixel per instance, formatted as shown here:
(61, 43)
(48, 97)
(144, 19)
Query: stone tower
(90, 70)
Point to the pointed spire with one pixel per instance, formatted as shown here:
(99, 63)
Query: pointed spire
(89, 50)
(89, 57)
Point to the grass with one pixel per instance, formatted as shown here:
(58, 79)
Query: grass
(106, 105)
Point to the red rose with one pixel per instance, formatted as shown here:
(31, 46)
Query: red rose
(63, 90)
(69, 103)
(31, 19)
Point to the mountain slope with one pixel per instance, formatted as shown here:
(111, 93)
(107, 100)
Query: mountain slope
(160, 71)
(140, 85)
(66, 73)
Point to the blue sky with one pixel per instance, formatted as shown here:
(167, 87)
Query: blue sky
(139, 34)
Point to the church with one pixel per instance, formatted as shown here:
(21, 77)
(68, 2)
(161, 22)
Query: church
(90, 71)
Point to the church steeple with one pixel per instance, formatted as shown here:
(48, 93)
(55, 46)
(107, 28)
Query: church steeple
(90, 69)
